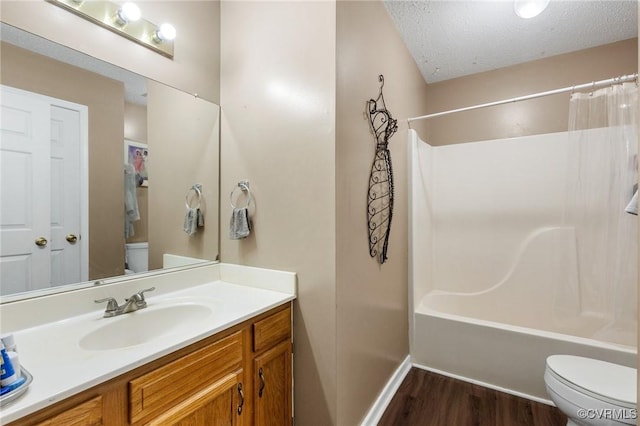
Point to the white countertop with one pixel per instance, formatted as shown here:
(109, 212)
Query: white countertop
(61, 367)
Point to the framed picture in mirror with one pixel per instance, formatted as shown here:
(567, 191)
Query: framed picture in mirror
(136, 154)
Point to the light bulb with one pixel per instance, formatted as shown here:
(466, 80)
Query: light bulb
(166, 32)
(129, 12)
(527, 9)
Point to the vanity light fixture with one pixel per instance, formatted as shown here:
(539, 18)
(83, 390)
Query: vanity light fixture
(527, 9)
(125, 20)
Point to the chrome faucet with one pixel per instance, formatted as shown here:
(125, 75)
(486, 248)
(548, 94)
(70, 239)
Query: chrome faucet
(131, 304)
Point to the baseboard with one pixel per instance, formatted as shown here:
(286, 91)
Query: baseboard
(384, 398)
(486, 385)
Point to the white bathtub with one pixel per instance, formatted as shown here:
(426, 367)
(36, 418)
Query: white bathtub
(505, 357)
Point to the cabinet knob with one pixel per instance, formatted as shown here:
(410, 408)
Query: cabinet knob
(71, 238)
(41, 241)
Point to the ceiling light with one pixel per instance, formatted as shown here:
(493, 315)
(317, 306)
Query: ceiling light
(129, 12)
(166, 32)
(527, 9)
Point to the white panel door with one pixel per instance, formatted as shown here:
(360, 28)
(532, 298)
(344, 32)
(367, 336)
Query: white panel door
(43, 192)
(65, 196)
(24, 194)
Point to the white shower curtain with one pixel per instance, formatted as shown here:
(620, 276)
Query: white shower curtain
(602, 172)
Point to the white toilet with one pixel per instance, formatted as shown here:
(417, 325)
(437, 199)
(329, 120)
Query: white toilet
(591, 392)
(137, 257)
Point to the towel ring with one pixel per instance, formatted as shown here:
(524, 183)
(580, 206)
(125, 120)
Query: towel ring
(244, 187)
(198, 193)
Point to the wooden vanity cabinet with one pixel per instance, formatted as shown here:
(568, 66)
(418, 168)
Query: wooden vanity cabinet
(239, 377)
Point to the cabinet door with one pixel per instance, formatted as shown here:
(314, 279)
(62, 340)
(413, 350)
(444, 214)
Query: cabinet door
(88, 413)
(272, 383)
(217, 405)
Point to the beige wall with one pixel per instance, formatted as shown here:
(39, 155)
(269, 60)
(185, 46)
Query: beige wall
(544, 115)
(135, 122)
(372, 299)
(135, 129)
(293, 100)
(105, 100)
(278, 131)
(195, 67)
(183, 134)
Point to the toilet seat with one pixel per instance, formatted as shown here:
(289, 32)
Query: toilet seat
(607, 382)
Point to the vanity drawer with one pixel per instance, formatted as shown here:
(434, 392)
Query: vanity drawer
(271, 330)
(161, 389)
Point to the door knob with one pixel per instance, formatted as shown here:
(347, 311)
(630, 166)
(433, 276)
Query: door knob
(71, 238)
(41, 242)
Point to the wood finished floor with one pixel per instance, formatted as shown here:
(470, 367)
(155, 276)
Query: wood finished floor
(429, 399)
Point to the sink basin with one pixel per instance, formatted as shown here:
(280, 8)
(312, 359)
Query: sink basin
(144, 325)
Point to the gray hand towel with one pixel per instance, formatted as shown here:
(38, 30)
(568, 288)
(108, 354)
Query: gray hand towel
(240, 225)
(191, 221)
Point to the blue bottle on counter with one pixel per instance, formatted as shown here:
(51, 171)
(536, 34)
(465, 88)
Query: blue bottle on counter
(9, 380)
(7, 374)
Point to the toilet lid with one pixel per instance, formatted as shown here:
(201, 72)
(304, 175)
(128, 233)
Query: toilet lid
(603, 380)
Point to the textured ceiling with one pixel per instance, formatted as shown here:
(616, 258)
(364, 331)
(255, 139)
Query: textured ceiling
(453, 38)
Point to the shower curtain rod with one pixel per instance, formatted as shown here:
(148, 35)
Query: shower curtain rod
(593, 85)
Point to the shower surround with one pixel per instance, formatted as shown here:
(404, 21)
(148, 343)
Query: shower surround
(497, 279)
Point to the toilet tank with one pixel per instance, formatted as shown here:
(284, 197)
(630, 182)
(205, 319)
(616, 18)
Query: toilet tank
(137, 255)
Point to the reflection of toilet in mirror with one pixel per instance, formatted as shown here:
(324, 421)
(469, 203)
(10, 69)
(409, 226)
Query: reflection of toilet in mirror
(592, 392)
(137, 257)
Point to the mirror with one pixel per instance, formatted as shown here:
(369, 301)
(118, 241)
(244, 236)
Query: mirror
(119, 122)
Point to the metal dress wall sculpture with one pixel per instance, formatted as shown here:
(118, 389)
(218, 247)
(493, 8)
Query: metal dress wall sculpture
(380, 195)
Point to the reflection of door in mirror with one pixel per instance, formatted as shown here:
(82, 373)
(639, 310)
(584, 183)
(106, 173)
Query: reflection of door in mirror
(43, 199)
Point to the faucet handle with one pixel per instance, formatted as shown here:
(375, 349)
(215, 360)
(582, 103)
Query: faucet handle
(112, 304)
(141, 293)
